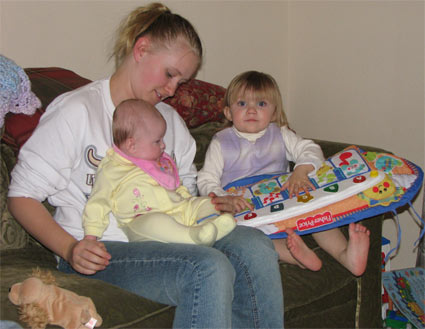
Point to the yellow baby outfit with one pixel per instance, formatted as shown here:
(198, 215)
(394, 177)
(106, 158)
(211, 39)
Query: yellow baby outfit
(145, 209)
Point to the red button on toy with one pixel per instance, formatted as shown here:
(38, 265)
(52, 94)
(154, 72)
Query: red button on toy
(251, 215)
(359, 179)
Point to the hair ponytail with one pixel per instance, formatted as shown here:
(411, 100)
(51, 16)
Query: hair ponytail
(160, 24)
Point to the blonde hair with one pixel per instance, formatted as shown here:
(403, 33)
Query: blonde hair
(264, 85)
(160, 24)
(129, 116)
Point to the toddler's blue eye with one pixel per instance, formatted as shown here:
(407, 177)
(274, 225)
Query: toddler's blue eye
(262, 103)
(241, 103)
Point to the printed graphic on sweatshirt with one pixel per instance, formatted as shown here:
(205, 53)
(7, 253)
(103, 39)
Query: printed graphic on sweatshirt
(92, 159)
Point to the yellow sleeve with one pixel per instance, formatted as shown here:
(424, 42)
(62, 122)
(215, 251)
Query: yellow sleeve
(98, 207)
(183, 192)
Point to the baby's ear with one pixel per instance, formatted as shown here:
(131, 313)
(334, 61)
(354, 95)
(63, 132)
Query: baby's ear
(130, 144)
(227, 113)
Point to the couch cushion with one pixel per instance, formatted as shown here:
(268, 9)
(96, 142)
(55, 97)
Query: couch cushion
(196, 101)
(12, 235)
(118, 308)
(203, 135)
(47, 84)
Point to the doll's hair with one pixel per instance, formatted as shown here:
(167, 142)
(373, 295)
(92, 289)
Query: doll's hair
(161, 25)
(45, 276)
(263, 85)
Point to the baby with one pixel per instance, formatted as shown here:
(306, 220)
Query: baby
(139, 184)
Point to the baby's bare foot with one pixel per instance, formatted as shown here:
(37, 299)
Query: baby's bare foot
(306, 257)
(225, 224)
(357, 249)
(204, 234)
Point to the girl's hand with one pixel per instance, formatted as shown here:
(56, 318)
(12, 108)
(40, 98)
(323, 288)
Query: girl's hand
(88, 256)
(230, 203)
(299, 181)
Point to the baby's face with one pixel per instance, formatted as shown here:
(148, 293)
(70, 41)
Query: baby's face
(250, 113)
(150, 142)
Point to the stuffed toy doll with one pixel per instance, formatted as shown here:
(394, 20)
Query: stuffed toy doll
(42, 302)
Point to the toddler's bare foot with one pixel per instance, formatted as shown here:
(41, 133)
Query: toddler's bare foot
(305, 257)
(357, 249)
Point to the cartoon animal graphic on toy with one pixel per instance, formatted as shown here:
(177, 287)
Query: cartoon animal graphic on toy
(382, 193)
(42, 302)
(266, 188)
(353, 167)
(325, 174)
(384, 162)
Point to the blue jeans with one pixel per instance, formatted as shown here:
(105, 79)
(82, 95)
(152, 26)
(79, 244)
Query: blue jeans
(235, 284)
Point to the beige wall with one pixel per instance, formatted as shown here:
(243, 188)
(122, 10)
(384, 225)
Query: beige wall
(351, 71)
(356, 74)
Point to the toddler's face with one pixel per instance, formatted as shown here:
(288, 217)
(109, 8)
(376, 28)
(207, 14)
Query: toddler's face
(150, 142)
(250, 113)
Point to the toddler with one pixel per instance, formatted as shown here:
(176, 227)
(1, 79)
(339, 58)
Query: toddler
(139, 183)
(260, 142)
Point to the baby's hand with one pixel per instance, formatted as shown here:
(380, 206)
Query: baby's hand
(299, 181)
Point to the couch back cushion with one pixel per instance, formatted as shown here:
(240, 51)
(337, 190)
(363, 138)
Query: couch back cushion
(197, 101)
(47, 84)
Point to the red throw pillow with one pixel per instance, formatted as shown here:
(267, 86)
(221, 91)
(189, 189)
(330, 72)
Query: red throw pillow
(198, 102)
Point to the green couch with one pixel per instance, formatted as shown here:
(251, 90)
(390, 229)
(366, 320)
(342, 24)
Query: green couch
(329, 298)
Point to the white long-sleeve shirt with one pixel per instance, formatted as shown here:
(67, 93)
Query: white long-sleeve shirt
(298, 150)
(60, 159)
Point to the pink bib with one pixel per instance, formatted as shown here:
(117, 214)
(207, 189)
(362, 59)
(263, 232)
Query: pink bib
(164, 171)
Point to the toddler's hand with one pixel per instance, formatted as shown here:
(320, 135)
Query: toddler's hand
(240, 203)
(299, 181)
(230, 203)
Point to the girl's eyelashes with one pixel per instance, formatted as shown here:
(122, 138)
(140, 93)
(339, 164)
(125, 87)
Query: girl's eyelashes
(262, 103)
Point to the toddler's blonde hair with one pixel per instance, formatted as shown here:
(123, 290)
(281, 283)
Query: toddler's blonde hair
(262, 84)
(160, 24)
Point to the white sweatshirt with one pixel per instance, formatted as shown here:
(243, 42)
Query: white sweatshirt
(60, 159)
